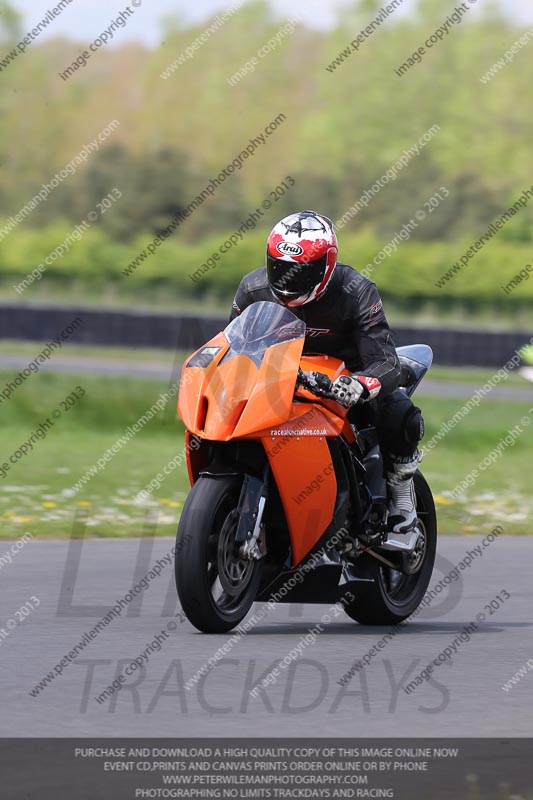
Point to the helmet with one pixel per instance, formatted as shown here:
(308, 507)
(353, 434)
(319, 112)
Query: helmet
(301, 257)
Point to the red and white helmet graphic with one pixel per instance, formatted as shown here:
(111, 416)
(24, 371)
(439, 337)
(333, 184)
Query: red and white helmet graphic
(301, 257)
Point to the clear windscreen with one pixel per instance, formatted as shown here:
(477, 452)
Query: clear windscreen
(260, 326)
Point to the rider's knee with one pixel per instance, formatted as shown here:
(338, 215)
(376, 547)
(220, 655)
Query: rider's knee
(400, 424)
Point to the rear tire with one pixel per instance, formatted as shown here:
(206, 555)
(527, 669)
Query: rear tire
(215, 587)
(393, 596)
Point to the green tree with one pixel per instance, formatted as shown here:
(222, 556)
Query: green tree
(154, 187)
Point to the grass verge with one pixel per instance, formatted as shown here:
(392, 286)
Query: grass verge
(37, 495)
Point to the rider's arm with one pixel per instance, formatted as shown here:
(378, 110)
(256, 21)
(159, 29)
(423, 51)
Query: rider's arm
(240, 302)
(374, 340)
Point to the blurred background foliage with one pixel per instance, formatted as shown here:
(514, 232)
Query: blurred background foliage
(344, 130)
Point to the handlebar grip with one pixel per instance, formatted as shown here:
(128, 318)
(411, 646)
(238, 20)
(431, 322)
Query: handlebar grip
(315, 382)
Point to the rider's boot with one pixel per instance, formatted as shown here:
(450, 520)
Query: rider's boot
(402, 499)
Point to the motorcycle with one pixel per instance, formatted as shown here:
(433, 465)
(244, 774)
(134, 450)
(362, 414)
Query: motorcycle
(289, 499)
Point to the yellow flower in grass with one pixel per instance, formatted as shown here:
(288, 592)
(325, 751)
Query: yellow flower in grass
(85, 503)
(22, 520)
(443, 501)
(49, 504)
(9, 514)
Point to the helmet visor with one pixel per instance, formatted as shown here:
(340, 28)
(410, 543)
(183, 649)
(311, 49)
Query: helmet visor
(291, 279)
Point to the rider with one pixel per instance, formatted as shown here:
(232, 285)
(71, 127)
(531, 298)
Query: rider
(344, 316)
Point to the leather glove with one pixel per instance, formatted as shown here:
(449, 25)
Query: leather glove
(349, 389)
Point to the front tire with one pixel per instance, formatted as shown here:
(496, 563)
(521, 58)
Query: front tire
(394, 596)
(215, 586)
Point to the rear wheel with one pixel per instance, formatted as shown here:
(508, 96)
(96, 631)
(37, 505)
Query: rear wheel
(394, 595)
(215, 586)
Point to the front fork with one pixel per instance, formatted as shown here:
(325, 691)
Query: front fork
(250, 537)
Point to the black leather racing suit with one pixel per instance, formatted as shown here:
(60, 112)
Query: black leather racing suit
(348, 322)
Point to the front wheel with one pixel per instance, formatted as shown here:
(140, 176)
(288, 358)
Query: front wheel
(215, 586)
(393, 596)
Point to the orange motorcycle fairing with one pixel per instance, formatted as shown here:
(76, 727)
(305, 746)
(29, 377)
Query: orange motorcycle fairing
(271, 398)
(300, 461)
(191, 401)
(328, 365)
(304, 474)
(306, 419)
(233, 397)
